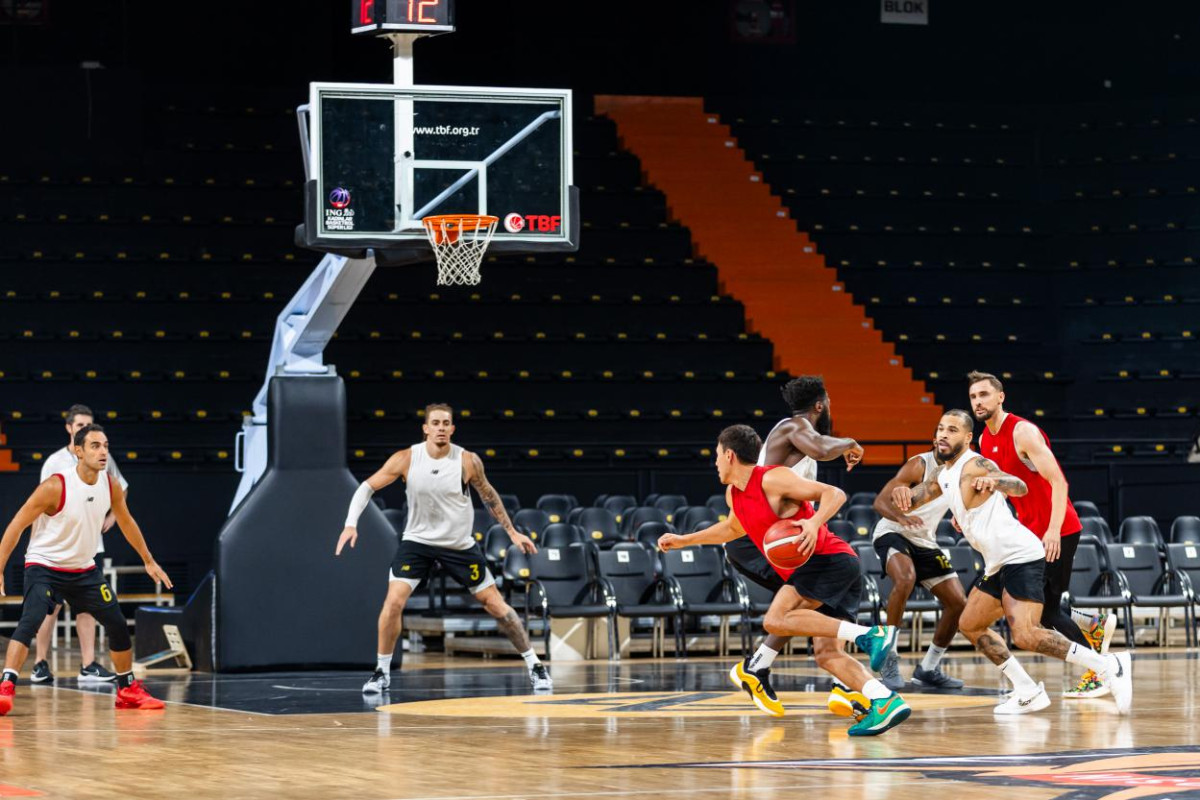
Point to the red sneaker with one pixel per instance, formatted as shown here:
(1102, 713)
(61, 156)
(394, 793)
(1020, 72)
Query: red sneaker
(7, 690)
(136, 696)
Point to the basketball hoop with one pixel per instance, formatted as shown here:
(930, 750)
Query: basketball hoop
(459, 242)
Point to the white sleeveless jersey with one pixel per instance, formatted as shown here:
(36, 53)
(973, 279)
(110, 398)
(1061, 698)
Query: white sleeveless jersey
(806, 467)
(931, 514)
(991, 528)
(439, 503)
(69, 538)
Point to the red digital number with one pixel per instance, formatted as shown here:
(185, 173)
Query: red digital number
(366, 11)
(416, 10)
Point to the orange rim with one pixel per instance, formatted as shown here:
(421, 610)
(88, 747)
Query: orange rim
(447, 227)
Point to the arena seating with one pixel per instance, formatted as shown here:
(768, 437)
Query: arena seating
(1055, 247)
(169, 273)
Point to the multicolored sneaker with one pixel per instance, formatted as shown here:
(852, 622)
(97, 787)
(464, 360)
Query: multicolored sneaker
(1089, 685)
(847, 702)
(883, 715)
(878, 643)
(135, 696)
(1100, 634)
(7, 690)
(758, 685)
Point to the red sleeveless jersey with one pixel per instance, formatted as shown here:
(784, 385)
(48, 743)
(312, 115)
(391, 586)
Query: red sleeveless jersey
(1033, 510)
(754, 514)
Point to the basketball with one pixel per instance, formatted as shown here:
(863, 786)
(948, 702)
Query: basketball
(781, 543)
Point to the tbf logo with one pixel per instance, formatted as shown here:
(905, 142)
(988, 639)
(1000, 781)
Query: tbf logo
(542, 223)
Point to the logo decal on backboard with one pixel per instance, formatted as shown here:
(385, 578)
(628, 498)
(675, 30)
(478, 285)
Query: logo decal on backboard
(340, 217)
(541, 223)
(514, 223)
(1151, 772)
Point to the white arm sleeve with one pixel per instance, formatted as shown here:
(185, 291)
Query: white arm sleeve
(362, 496)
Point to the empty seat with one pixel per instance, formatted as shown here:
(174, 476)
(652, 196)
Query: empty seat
(599, 527)
(556, 506)
(698, 574)
(1185, 530)
(632, 579)
(863, 518)
(668, 503)
(717, 503)
(531, 521)
(560, 534)
(562, 585)
(1086, 508)
(1140, 530)
(695, 518)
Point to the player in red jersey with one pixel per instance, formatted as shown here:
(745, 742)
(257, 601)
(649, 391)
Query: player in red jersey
(819, 599)
(1022, 449)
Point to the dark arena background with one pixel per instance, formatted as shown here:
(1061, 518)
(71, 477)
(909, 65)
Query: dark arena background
(719, 197)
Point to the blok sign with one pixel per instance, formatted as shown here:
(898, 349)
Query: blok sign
(904, 12)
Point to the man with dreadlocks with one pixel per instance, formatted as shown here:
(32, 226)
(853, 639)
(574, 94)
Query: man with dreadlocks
(797, 442)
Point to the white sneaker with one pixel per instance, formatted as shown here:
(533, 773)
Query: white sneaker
(1016, 704)
(1119, 677)
(379, 682)
(539, 676)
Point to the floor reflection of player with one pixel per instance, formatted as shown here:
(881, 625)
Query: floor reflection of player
(819, 599)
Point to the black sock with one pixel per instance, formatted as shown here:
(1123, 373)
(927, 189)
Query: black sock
(124, 680)
(10, 675)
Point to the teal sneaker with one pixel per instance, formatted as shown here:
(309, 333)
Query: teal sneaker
(878, 642)
(883, 715)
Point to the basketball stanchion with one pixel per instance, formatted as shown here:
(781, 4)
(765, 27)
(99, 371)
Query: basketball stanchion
(176, 650)
(459, 242)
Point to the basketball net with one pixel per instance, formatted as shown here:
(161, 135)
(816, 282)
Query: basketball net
(459, 242)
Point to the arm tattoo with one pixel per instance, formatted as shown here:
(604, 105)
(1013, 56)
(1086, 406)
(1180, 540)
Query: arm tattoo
(926, 492)
(488, 495)
(510, 625)
(1053, 643)
(992, 647)
(1008, 484)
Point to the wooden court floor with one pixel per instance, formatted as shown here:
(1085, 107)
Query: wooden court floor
(466, 728)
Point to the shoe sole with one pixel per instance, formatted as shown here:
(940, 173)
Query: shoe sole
(41, 681)
(1110, 629)
(894, 719)
(888, 646)
(736, 679)
(96, 679)
(1103, 691)
(139, 707)
(1124, 699)
(374, 690)
(844, 707)
(1041, 702)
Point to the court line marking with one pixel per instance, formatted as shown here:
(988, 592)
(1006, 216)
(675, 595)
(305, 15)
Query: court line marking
(723, 790)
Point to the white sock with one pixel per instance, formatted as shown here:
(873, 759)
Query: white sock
(848, 631)
(530, 658)
(383, 661)
(1086, 657)
(763, 658)
(1020, 679)
(874, 690)
(933, 657)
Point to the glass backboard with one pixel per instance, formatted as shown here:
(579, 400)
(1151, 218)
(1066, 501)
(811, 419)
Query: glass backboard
(382, 157)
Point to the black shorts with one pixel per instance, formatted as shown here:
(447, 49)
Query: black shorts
(468, 567)
(1022, 581)
(931, 565)
(86, 592)
(749, 560)
(835, 580)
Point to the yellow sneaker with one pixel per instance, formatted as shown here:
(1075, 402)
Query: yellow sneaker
(1089, 685)
(847, 702)
(758, 685)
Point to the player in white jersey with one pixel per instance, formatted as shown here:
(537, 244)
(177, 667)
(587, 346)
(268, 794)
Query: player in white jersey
(1014, 563)
(440, 519)
(60, 462)
(67, 513)
(908, 549)
(797, 442)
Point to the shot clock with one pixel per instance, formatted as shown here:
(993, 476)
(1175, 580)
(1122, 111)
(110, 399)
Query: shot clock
(421, 17)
